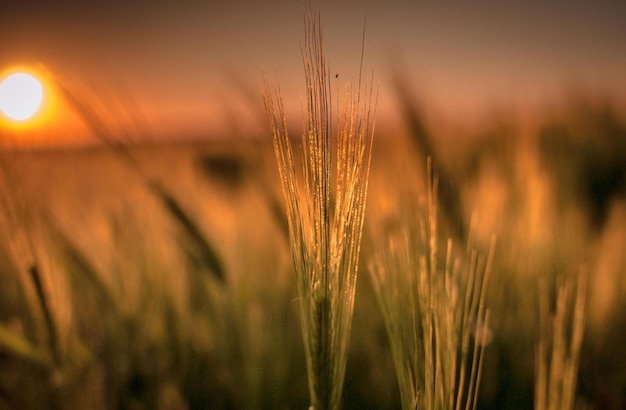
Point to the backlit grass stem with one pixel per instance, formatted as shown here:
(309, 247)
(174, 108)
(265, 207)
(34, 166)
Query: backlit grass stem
(325, 209)
(558, 348)
(434, 313)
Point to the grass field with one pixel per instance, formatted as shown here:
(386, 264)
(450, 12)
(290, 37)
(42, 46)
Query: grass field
(168, 283)
(223, 273)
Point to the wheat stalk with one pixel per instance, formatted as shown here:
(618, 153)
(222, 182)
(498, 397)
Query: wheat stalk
(558, 347)
(435, 316)
(325, 237)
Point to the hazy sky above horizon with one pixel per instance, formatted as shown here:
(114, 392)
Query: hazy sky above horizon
(188, 65)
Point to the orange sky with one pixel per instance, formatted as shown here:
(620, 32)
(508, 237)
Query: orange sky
(180, 68)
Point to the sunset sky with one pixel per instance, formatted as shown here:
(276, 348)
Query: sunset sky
(197, 66)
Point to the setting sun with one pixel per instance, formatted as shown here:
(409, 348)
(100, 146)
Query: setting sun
(20, 96)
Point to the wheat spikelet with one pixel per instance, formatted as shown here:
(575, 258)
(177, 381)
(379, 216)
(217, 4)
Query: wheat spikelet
(325, 211)
(434, 315)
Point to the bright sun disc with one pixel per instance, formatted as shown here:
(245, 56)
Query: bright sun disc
(20, 96)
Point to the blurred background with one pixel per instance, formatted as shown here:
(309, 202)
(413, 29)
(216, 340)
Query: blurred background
(194, 67)
(143, 253)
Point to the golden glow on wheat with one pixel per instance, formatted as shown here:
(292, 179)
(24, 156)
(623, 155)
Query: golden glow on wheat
(325, 210)
(21, 95)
